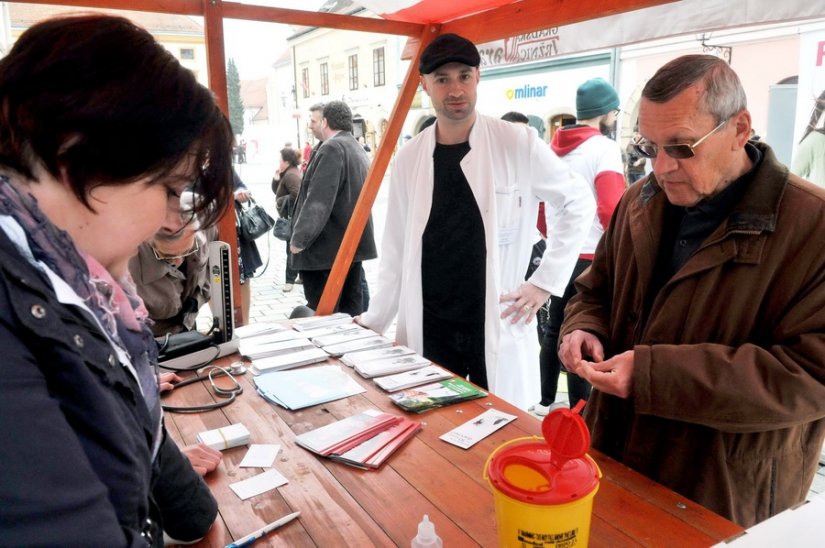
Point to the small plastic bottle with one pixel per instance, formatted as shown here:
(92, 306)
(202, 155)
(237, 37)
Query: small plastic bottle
(426, 537)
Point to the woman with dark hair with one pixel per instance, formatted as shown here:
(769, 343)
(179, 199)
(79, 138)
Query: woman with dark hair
(809, 160)
(286, 192)
(101, 130)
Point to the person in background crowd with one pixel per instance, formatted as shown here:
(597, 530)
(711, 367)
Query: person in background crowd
(331, 186)
(809, 160)
(306, 155)
(635, 162)
(101, 130)
(701, 322)
(286, 194)
(171, 271)
(460, 226)
(249, 258)
(588, 151)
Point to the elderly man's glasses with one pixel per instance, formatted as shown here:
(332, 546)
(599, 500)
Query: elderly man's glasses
(162, 257)
(679, 151)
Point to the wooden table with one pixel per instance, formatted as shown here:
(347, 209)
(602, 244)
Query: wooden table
(344, 506)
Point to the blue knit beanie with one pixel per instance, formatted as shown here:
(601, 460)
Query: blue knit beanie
(594, 98)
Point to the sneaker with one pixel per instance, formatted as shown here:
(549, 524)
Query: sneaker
(540, 410)
(288, 287)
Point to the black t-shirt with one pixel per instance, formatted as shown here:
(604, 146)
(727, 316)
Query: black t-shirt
(454, 252)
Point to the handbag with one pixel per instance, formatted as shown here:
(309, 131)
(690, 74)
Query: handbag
(253, 220)
(283, 229)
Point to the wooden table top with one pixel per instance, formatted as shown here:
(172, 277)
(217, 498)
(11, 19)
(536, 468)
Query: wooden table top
(344, 506)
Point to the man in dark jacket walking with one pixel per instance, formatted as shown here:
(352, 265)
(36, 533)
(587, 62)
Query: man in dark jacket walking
(330, 188)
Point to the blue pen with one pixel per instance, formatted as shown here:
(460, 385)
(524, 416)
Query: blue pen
(250, 539)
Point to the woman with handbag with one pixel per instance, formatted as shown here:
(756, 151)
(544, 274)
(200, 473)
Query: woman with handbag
(249, 258)
(289, 183)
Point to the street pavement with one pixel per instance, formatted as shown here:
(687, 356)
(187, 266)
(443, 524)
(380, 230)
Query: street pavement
(269, 301)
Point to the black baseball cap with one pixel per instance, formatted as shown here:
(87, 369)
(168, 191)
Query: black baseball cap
(448, 48)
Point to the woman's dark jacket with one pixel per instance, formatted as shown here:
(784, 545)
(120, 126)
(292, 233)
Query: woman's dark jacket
(76, 466)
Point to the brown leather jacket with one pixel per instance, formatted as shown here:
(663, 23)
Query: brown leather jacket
(728, 399)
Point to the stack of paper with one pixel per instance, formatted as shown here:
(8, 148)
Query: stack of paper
(408, 379)
(435, 395)
(346, 336)
(362, 356)
(226, 437)
(291, 334)
(256, 348)
(367, 343)
(258, 329)
(365, 440)
(308, 386)
(288, 361)
(390, 366)
(313, 322)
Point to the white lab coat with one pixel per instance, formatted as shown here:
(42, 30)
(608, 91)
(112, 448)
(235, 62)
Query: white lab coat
(509, 169)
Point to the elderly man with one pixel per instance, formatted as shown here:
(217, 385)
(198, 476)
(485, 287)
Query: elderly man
(171, 270)
(460, 228)
(701, 322)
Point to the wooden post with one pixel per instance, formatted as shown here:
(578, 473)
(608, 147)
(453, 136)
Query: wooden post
(216, 70)
(363, 207)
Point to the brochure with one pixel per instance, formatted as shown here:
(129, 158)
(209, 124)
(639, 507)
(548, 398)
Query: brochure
(299, 388)
(288, 361)
(373, 452)
(475, 430)
(346, 336)
(375, 341)
(440, 394)
(408, 379)
(390, 366)
(257, 350)
(363, 356)
(364, 440)
(313, 322)
(344, 434)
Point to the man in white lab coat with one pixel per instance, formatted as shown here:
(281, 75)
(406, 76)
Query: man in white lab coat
(460, 227)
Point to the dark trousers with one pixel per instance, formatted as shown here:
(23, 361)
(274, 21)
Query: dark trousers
(352, 297)
(457, 347)
(549, 363)
(290, 275)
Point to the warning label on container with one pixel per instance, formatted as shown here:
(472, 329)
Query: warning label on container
(564, 539)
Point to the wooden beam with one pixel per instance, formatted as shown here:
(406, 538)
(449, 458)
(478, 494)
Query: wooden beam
(532, 15)
(363, 207)
(181, 7)
(233, 10)
(216, 71)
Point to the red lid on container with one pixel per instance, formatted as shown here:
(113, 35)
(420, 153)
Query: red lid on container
(553, 471)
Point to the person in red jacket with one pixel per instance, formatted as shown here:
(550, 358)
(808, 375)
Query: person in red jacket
(588, 150)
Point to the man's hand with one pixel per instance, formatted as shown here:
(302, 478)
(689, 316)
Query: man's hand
(526, 301)
(579, 344)
(295, 250)
(167, 381)
(242, 195)
(203, 459)
(613, 376)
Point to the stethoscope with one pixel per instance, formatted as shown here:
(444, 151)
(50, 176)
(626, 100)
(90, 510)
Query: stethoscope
(228, 395)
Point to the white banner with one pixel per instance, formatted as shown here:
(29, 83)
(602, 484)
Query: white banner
(685, 17)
